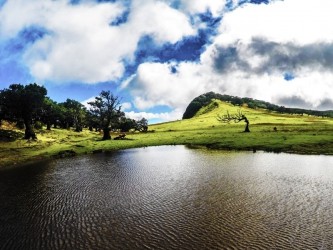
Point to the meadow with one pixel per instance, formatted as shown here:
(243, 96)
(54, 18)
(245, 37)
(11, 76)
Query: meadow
(270, 131)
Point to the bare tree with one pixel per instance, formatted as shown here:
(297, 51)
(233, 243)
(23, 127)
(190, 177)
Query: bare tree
(238, 117)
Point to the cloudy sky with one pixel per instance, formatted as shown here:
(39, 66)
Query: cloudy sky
(157, 55)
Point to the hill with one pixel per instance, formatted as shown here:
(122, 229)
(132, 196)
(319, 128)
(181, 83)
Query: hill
(296, 133)
(197, 103)
(206, 117)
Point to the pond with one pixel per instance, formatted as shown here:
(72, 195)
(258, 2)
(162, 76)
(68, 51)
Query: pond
(169, 197)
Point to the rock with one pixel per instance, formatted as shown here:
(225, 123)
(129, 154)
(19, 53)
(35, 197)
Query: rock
(97, 151)
(66, 153)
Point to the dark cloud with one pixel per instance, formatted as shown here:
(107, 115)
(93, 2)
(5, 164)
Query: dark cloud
(229, 58)
(326, 104)
(300, 102)
(294, 101)
(286, 57)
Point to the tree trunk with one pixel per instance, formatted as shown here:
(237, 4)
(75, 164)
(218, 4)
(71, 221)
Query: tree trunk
(90, 128)
(29, 132)
(106, 134)
(48, 126)
(247, 125)
(78, 128)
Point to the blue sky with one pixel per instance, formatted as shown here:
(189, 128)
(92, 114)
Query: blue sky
(160, 54)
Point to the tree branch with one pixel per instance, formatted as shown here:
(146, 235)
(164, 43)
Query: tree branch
(238, 117)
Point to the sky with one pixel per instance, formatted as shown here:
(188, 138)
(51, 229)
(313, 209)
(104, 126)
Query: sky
(157, 55)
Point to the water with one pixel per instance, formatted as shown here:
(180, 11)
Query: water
(169, 197)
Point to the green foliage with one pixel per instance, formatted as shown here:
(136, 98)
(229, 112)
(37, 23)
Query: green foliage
(50, 112)
(20, 102)
(74, 114)
(142, 125)
(210, 107)
(125, 124)
(198, 103)
(38, 125)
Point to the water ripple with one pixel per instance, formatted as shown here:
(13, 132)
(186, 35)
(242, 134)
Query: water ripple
(169, 198)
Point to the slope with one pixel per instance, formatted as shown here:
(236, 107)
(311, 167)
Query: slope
(294, 133)
(203, 100)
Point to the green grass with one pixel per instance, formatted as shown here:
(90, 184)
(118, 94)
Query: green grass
(295, 134)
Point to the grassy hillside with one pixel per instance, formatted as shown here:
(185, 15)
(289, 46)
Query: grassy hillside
(295, 133)
(259, 119)
(203, 100)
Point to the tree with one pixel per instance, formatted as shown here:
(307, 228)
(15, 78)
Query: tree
(49, 112)
(21, 103)
(74, 114)
(126, 124)
(142, 125)
(107, 108)
(236, 118)
(92, 121)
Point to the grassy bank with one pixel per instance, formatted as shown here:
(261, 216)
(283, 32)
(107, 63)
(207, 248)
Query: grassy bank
(296, 134)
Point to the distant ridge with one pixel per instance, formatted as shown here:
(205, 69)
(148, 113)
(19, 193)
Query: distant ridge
(203, 100)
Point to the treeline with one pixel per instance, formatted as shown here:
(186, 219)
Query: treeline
(197, 103)
(29, 107)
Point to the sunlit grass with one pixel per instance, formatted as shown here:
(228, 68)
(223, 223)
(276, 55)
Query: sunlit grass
(295, 133)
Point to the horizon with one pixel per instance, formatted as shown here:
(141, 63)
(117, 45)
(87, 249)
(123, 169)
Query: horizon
(158, 55)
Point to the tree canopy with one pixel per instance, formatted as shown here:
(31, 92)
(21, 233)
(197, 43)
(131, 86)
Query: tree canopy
(20, 102)
(106, 107)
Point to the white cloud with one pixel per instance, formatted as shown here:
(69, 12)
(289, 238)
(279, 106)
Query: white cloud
(160, 20)
(85, 102)
(17, 14)
(126, 106)
(160, 117)
(199, 6)
(81, 45)
(155, 84)
(300, 21)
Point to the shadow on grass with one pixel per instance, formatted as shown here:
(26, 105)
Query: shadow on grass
(10, 135)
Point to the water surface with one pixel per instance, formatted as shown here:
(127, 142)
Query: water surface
(169, 197)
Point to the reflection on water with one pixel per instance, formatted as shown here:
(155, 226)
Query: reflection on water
(169, 198)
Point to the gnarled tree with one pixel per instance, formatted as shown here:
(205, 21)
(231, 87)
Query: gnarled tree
(238, 117)
(106, 108)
